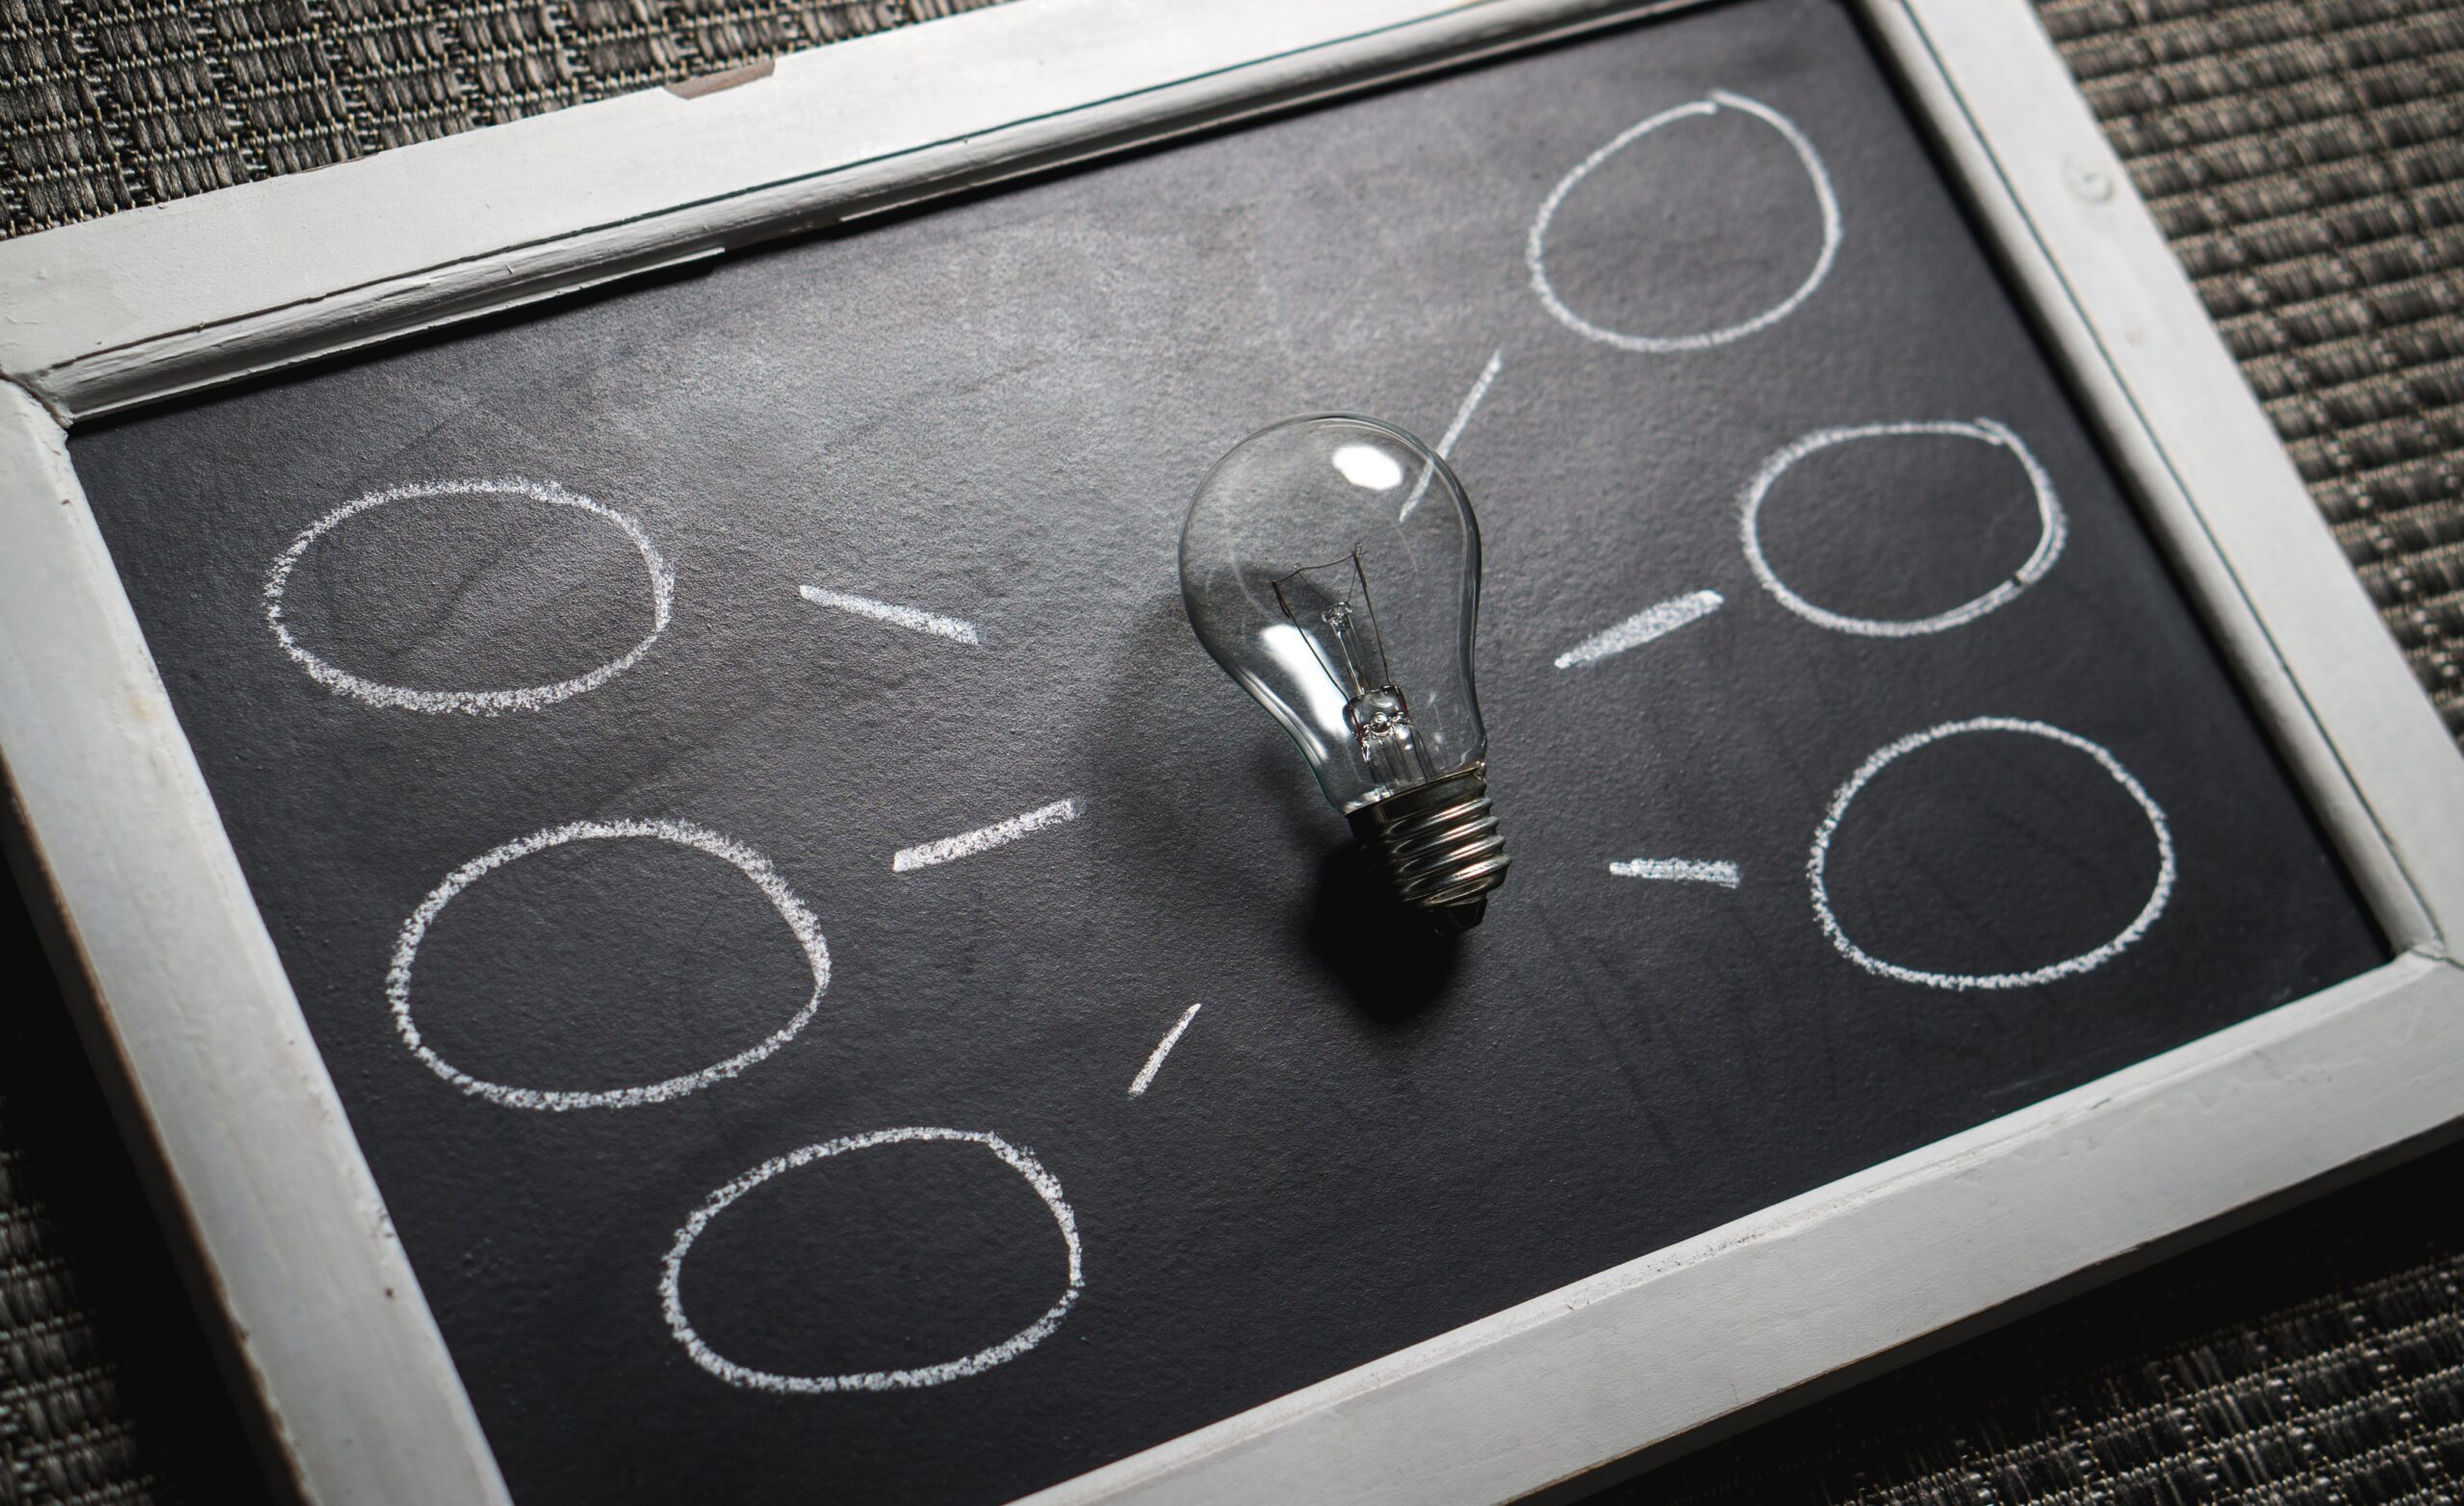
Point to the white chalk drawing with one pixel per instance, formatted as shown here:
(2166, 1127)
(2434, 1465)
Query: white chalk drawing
(1454, 430)
(1031, 1170)
(956, 629)
(2068, 967)
(477, 702)
(1652, 622)
(1155, 1061)
(752, 864)
(983, 839)
(2053, 529)
(1535, 249)
(1678, 870)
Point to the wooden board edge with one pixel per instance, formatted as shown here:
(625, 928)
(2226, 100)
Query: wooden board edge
(1653, 1349)
(176, 297)
(2211, 473)
(206, 1039)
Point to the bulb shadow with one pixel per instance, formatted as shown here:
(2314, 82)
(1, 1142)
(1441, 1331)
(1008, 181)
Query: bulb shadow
(1178, 749)
(1182, 764)
(1392, 965)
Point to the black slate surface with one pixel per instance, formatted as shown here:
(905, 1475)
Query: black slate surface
(997, 411)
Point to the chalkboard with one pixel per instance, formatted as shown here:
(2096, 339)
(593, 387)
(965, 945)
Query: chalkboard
(842, 998)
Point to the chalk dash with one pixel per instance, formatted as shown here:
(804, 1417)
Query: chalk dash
(1651, 622)
(984, 839)
(1171, 1037)
(913, 619)
(1679, 870)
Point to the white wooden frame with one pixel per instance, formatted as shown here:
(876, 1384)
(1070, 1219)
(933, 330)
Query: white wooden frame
(194, 1017)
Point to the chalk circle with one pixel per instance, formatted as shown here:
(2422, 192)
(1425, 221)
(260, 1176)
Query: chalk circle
(1029, 1169)
(752, 864)
(1536, 248)
(2068, 967)
(2053, 529)
(477, 702)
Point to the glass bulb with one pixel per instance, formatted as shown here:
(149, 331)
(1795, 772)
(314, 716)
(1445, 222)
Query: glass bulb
(1332, 566)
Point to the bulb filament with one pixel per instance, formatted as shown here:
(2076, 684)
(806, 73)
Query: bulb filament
(1348, 647)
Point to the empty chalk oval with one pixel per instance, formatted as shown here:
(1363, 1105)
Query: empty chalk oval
(279, 614)
(1697, 256)
(2052, 531)
(2061, 807)
(928, 1373)
(800, 922)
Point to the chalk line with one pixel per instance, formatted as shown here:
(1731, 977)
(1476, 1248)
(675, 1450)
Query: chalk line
(1028, 1169)
(1651, 622)
(477, 702)
(983, 839)
(1171, 1038)
(752, 864)
(1535, 249)
(1471, 401)
(1454, 430)
(1681, 869)
(2068, 967)
(2053, 528)
(956, 629)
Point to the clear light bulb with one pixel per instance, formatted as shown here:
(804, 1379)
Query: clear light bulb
(1332, 566)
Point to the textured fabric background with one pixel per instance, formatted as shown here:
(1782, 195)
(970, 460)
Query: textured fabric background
(2307, 159)
(2316, 1358)
(110, 104)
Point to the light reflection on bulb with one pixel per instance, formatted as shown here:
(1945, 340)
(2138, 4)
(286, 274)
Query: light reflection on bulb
(1351, 618)
(1363, 465)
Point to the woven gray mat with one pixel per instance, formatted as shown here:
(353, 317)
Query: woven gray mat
(110, 104)
(2305, 156)
(2316, 1358)
(2306, 159)
(66, 1434)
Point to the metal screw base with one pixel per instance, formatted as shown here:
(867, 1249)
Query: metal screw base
(1440, 846)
